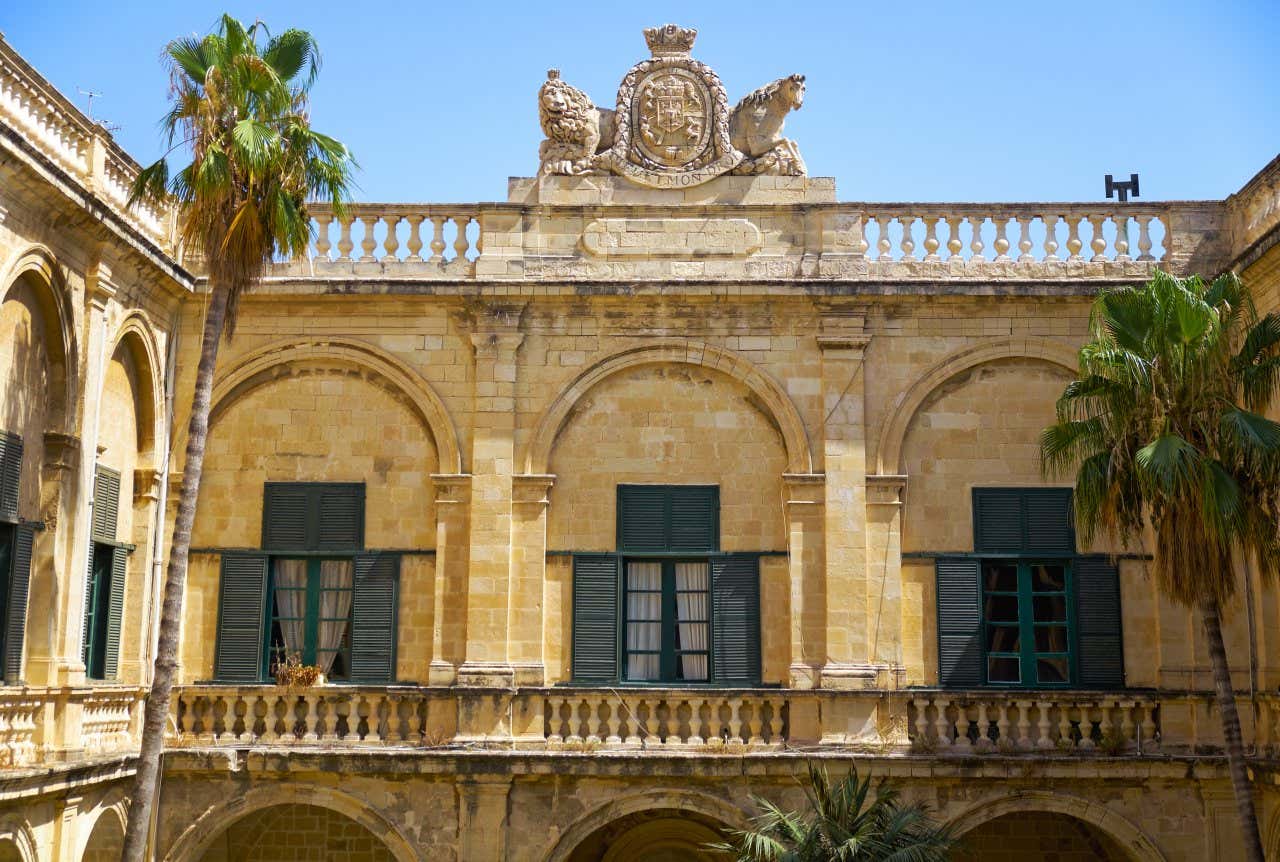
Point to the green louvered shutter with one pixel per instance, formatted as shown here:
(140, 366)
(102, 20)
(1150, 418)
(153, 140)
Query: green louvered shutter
(959, 623)
(998, 521)
(693, 518)
(339, 513)
(1099, 643)
(642, 518)
(106, 504)
(284, 516)
(242, 614)
(10, 475)
(595, 618)
(1049, 524)
(735, 619)
(15, 623)
(115, 611)
(373, 618)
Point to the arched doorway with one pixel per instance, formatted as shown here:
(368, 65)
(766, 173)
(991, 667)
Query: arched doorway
(106, 840)
(298, 833)
(659, 835)
(1028, 836)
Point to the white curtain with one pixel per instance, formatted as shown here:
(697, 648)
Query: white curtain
(291, 603)
(691, 610)
(335, 610)
(644, 620)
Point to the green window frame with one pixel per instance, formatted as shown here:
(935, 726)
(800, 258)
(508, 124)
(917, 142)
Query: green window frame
(666, 630)
(303, 616)
(1028, 623)
(97, 611)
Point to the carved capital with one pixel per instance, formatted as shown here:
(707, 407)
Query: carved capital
(61, 453)
(452, 489)
(806, 490)
(886, 490)
(842, 327)
(146, 486)
(98, 285)
(532, 489)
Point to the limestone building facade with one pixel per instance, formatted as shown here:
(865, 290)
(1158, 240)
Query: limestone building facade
(602, 508)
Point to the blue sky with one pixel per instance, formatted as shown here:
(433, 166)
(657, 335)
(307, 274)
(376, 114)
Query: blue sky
(906, 102)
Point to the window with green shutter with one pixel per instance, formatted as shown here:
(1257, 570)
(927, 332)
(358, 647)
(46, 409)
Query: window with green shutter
(668, 606)
(16, 543)
(1025, 609)
(105, 580)
(313, 593)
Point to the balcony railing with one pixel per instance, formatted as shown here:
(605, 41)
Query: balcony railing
(49, 725)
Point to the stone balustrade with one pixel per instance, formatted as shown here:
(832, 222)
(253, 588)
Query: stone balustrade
(111, 719)
(689, 719)
(82, 149)
(21, 711)
(45, 725)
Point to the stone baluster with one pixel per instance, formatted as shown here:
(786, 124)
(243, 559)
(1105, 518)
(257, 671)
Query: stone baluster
(756, 723)
(1099, 242)
(352, 735)
(593, 721)
(1148, 725)
(187, 715)
(554, 737)
(715, 733)
(907, 244)
(391, 245)
(415, 238)
(1024, 240)
(1086, 727)
(1122, 235)
(635, 735)
(323, 220)
(615, 724)
(1126, 723)
(983, 742)
(695, 721)
(775, 721)
(963, 744)
(975, 241)
(651, 736)
(393, 734)
(1051, 237)
(1043, 725)
(859, 235)
(437, 239)
(931, 238)
(573, 725)
(883, 243)
(250, 717)
(735, 719)
(1002, 723)
(345, 245)
(1074, 243)
(1024, 723)
(460, 242)
(269, 720)
(373, 703)
(204, 707)
(941, 723)
(311, 703)
(367, 243)
(954, 243)
(1144, 238)
(419, 707)
(1064, 724)
(1001, 245)
(922, 719)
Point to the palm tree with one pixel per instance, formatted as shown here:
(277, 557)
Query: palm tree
(1164, 430)
(240, 107)
(843, 823)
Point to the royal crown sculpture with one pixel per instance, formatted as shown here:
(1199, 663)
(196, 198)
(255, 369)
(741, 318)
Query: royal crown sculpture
(672, 127)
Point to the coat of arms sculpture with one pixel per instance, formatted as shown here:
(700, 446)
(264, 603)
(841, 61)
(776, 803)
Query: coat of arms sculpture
(672, 127)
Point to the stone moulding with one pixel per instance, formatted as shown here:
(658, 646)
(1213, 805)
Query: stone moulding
(671, 237)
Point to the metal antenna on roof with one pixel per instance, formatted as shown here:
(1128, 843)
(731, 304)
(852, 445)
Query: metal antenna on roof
(1123, 189)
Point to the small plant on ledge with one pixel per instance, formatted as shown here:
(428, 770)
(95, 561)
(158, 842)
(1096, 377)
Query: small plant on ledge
(292, 673)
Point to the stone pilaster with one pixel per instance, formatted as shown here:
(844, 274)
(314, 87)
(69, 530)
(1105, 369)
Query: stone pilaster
(884, 568)
(482, 818)
(59, 500)
(449, 629)
(848, 624)
(804, 503)
(140, 584)
(496, 339)
(528, 565)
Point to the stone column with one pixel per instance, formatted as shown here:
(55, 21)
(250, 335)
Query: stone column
(449, 620)
(135, 645)
(482, 818)
(884, 567)
(804, 507)
(59, 499)
(66, 828)
(843, 344)
(528, 569)
(496, 339)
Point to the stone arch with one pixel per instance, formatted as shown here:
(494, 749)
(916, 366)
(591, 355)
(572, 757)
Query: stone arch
(16, 834)
(137, 336)
(107, 832)
(1096, 814)
(200, 835)
(266, 363)
(695, 801)
(782, 411)
(38, 267)
(894, 431)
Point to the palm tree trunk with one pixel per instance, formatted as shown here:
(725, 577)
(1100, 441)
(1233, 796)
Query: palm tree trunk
(1211, 617)
(145, 784)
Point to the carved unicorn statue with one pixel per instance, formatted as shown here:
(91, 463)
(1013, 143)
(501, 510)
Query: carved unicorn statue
(755, 129)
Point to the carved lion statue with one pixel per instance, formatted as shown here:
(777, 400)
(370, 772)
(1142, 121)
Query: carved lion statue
(755, 128)
(576, 129)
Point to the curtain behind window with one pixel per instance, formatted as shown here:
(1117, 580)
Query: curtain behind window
(691, 611)
(335, 610)
(644, 621)
(291, 603)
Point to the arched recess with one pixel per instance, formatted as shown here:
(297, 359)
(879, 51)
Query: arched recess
(137, 336)
(105, 840)
(197, 838)
(661, 798)
(537, 455)
(262, 363)
(16, 839)
(1097, 814)
(37, 267)
(894, 431)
